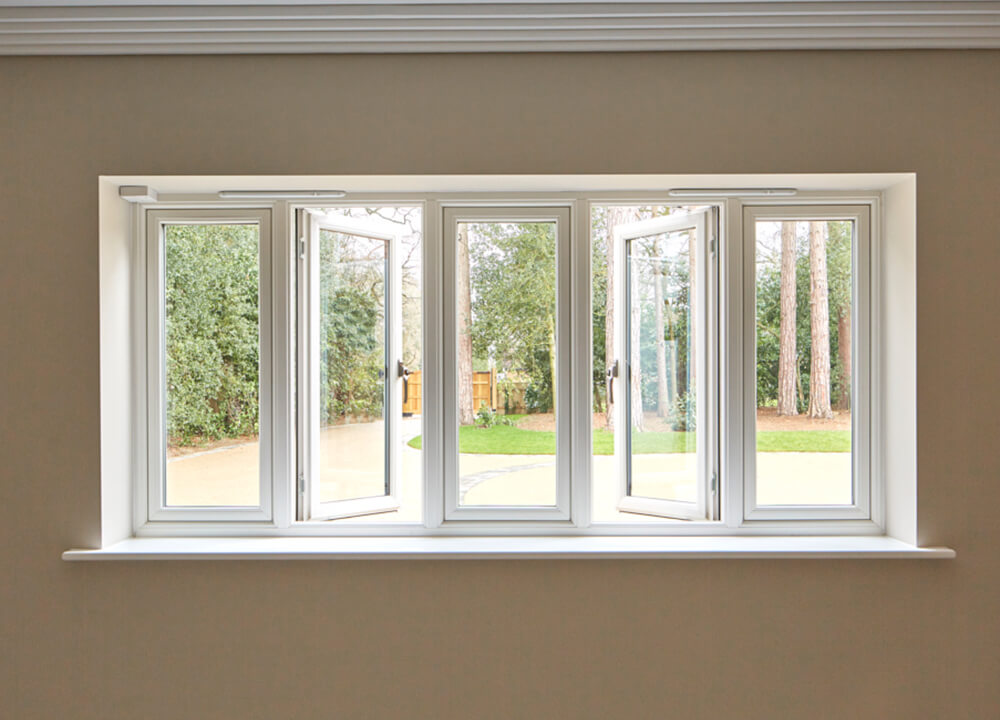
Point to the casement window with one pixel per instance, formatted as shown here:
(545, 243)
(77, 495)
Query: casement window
(350, 332)
(664, 281)
(820, 258)
(207, 320)
(565, 363)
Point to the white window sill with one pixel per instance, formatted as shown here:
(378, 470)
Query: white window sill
(506, 548)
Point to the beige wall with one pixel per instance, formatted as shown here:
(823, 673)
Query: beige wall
(609, 639)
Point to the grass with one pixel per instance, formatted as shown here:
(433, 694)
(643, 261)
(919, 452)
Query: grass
(507, 440)
(804, 441)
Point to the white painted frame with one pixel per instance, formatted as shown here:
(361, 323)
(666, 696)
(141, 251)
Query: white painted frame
(561, 218)
(156, 508)
(312, 222)
(705, 318)
(731, 359)
(861, 362)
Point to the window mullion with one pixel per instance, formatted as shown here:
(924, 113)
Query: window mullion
(581, 314)
(432, 268)
(732, 480)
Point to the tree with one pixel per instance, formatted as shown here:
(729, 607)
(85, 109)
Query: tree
(599, 290)
(513, 295)
(352, 327)
(787, 353)
(463, 298)
(619, 216)
(838, 259)
(615, 217)
(844, 351)
(634, 374)
(662, 389)
(819, 374)
(212, 337)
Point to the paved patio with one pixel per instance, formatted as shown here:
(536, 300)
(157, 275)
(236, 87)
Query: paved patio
(351, 466)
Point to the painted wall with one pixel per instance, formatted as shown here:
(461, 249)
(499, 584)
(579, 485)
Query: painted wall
(685, 639)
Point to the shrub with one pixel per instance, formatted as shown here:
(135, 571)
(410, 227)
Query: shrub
(487, 418)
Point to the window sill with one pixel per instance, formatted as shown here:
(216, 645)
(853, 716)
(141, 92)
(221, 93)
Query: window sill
(508, 548)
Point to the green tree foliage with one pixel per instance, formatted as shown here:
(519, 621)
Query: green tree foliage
(352, 327)
(212, 337)
(513, 276)
(211, 303)
(599, 303)
(769, 312)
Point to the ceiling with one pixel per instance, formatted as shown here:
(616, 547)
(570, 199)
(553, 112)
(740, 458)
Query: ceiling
(112, 27)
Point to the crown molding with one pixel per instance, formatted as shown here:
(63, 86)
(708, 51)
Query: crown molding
(169, 27)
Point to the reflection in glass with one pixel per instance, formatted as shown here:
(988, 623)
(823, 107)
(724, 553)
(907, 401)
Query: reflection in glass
(352, 307)
(660, 369)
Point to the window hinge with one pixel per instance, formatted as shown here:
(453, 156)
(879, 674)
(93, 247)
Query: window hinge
(712, 244)
(302, 483)
(302, 248)
(715, 482)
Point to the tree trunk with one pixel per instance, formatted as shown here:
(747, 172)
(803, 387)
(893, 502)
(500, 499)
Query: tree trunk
(844, 346)
(662, 376)
(819, 301)
(787, 354)
(463, 298)
(615, 217)
(635, 359)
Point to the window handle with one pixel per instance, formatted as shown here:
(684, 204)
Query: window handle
(612, 374)
(404, 372)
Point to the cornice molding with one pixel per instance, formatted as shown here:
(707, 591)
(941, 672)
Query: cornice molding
(167, 27)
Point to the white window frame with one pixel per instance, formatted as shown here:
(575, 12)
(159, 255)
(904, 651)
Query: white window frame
(311, 507)
(561, 217)
(279, 491)
(705, 317)
(153, 491)
(861, 363)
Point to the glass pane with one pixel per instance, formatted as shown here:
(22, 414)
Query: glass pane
(654, 451)
(212, 349)
(804, 398)
(660, 367)
(352, 344)
(506, 305)
(406, 221)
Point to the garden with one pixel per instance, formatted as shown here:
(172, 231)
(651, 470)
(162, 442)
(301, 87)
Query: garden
(506, 313)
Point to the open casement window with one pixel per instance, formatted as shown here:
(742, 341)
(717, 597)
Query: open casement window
(507, 352)
(660, 384)
(352, 380)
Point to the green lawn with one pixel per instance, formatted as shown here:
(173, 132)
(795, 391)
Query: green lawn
(507, 440)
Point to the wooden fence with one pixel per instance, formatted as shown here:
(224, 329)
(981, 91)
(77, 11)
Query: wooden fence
(414, 394)
(485, 391)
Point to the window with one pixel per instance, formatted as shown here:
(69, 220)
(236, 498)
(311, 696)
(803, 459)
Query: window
(664, 363)
(207, 379)
(808, 397)
(507, 348)
(351, 372)
(521, 363)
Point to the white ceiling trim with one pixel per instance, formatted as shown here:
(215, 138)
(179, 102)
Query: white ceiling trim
(37, 27)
